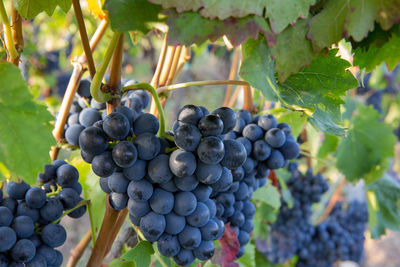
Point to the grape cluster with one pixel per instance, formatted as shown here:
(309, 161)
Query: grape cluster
(340, 237)
(268, 145)
(86, 111)
(293, 228)
(29, 231)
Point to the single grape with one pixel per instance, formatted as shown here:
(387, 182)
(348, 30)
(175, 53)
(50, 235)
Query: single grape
(118, 201)
(186, 183)
(261, 150)
(244, 115)
(205, 251)
(202, 192)
(24, 209)
(23, 226)
(184, 257)
(228, 117)
(290, 150)
(116, 126)
(253, 132)
(138, 208)
(246, 143)
(168, 245)
(6, 217)
(182, 163)
(209, 231)
(239, 126)
(8, 238)
(152, 226)
(187, 137)
(89, 116)
(37, 261)
(185, 203)
(267, 122)
(69, 198)
(67, 175)
(211, 150)
(237, 174)
(137, 171)
(275, 137)
(211, 125)
(140, 190)
(174, 223)
(52, 210)
(190, 114)
(161, 202)
(200, 216)
(159, 170)
(87, 157)
(118, 183)
(103, 165)
(48, 253)
(93, 140)
(17, 190)
(207, 173)
(23, 251)
(224, 182)
(169, 186)
(148, 146)
(54, 235)
(190, 237)
(146, 123)
(276, 160)
(97, 105)
(124, 154)
(237, 219)
(84, 88)
(73, 119)
(72, 134)
(130, 114)
(235, 154)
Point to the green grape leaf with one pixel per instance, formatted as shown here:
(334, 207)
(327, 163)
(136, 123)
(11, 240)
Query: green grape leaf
(280, 12)
(342, 18)
(269, 195)
(329, 145)
(249, 258)
(25, 129)
(383, 206)
(365, 151)
(318, 89)
(29, 9)
(184, 28)
(368, 57)
(283, 12)
(220, 9)
(292, 50)
(258, 68)
(140, 254)
(119, 263)
(138, 15)
(91, 190)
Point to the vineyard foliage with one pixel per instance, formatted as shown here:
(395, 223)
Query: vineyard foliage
(291, 55)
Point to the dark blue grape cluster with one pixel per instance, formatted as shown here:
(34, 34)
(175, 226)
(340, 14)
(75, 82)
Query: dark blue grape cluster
(86, 111)
(268, 145)
(29, 230)
(340, 237)
(293, 228)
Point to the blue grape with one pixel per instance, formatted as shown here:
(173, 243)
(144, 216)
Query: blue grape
(140, 190)
(290, 150)
(190, 237)
(52, 210)
(275, 137)
(37, 261)
(185, 203)
(148, 146)
(118, 183)
(116, 126)
(210, 230)
(138, 208)
(17, 190)
(84, 88)
(159, 170)
(208, 173)
(137, 171)
(103, 165)
(118, 201)
(246, 143)
(93, 140)
(235, 154)
(23, 251)
(69, 198)
(104, 185)
(89, 116)
(275, 160)
(210, 125)
(244, 115)
(211, 150)
(267, 122)
(67, 175)
(182, 163)
(252, 132)
(72, 134)
(152, 226)
(187, 137)
(186, 183)
(184, 257)
(200, 216)
(54, 235)
(97, 105)
(174, 223)
(227, 116)
(130, 114)
(146, 123)
(190, 114)
(6, 217)
(8, 238)
(124, 154)
(161, 202)
(168, 245)
(23, 226)
(24, 210)
(168, 186)
(202, 192)
(205, 251)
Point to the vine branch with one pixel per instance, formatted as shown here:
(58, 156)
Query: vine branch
(9, 42)
(232, 75)
(77, 252)
(156, 76)
(84, 37)
(16, 30)
(114, 84)
(199, 83)
(73, 84)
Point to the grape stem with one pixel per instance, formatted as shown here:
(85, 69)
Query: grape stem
(199, 83)
(16, 30)
(149, 88)
(12, 51)
(80, 204)
(95, 87)
(54, 193)
(84, 37)
(77, 252)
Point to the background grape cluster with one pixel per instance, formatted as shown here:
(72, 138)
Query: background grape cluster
(29, 219)
(339, 237)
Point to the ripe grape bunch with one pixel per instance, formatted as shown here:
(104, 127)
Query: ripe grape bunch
(86, 111)
(293, 228)
(268, 145)
(29, 219)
